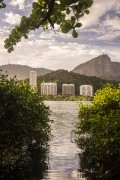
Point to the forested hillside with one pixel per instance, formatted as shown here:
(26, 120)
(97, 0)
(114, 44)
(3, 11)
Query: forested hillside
(63, 77)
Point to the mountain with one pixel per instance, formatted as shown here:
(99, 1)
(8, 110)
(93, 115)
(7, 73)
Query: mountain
(21, 71)
(101, 67)
(63, 77)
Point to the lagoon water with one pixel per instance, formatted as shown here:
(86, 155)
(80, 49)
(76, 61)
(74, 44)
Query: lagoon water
(63, 155)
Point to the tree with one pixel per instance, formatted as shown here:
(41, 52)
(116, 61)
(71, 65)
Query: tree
(24, 120)
(2, 4)
(45, 13)
(99, 135)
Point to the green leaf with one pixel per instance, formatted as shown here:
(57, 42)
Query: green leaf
(74, 34)
(68, 11)
(41, 2)
(10, 49)
(78, 25)
(25, 36)
(66, 27)
(23, 19)
(87, 11)
(7, 43)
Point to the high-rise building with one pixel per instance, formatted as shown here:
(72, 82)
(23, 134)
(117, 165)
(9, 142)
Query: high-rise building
(33, 79)
(68, 89)
(49, 88)
(86, 90)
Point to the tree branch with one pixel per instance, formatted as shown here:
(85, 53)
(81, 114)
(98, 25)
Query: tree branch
(47, 16)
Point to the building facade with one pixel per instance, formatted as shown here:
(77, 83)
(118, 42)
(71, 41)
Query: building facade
(33, 79)
(86, 90)
(49, 89)
(68, 90)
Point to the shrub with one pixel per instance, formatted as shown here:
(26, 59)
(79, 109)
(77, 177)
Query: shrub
(24, 120)
(98, 134)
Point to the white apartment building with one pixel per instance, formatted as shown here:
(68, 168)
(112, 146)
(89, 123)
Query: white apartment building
(33, 79)
(49, 88)
(86, 90)
(68, 89)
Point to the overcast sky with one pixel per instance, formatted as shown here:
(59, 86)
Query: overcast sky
(99, 34)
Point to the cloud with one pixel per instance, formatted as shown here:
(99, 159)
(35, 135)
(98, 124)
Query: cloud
(51, 53)
(110, 28)
(103, 21)
(12, 18)
(3, 31)
(20, 3)
(113, 23)
(110, 36)
(98, 9)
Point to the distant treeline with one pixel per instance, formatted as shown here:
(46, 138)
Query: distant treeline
(63, 77)
(66, 98)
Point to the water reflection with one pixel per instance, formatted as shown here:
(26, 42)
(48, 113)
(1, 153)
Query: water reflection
(63, 155)
(63, 175)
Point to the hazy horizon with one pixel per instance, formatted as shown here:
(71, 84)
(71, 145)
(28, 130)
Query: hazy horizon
(58, 68)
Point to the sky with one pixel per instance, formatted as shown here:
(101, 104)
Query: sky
(99, 34)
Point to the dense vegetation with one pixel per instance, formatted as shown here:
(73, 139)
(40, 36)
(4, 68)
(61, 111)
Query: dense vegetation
(66, 98)
(98, 135)
(24, 124)
(63, 77)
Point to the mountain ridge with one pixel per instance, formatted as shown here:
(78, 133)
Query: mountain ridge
(22, 71)
(101, 67)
